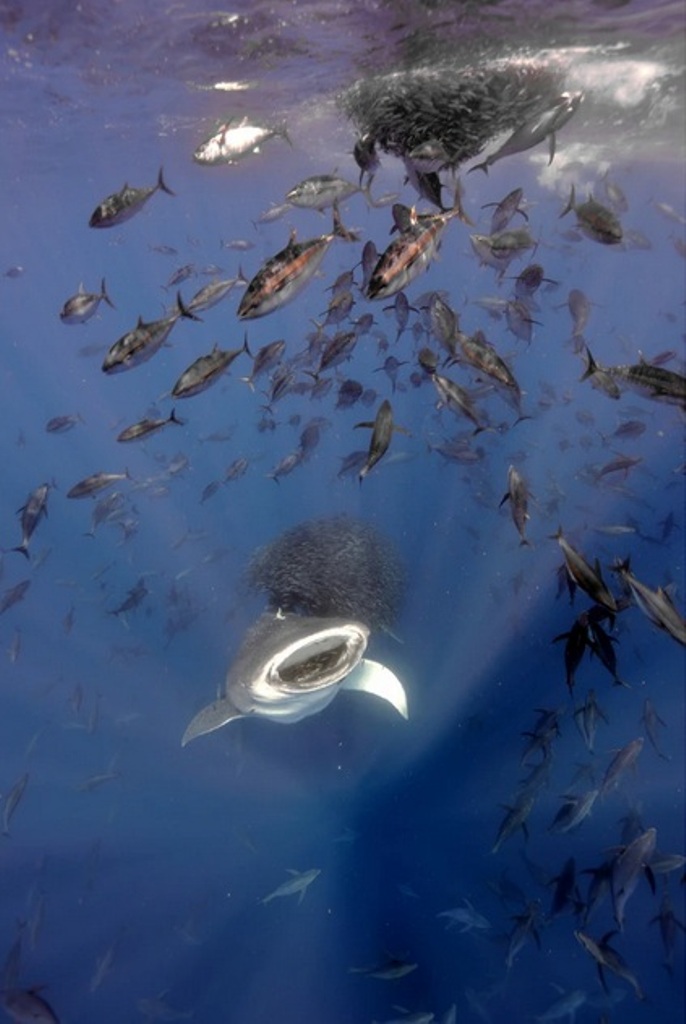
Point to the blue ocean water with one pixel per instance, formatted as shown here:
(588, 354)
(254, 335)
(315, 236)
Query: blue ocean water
(134, 870)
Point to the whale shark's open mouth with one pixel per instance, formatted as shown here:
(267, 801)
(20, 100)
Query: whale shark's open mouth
(319, 661)
(301, 670)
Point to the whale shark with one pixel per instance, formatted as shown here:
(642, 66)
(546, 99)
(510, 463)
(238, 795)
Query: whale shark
(291, 666)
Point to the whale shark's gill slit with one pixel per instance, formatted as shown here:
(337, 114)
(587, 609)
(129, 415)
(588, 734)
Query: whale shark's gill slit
(297, 670)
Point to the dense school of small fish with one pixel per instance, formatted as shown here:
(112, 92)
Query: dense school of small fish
(441, 352)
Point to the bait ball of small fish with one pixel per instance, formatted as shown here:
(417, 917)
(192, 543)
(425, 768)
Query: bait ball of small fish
(333, 566)
(459, 108)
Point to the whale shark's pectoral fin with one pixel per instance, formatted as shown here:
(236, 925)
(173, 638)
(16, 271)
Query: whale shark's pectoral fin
(372, 677)
(214, 716)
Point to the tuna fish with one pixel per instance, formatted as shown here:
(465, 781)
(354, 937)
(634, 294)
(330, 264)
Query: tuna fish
(284, 275)
(82, 306)
(205, 371)
(122, 205)
(299, 883)
(574, 810)
(620, 763)
(145, 427)
(518, 495)
(321, 191)
(31, 514)
(231, 142)
(139, 345)
(582, 574)
(12, 801)
(656, 605)
(94, 483)
(608, 959)
(410, 254)
(626, 868)
(382, 429)
(595, 220)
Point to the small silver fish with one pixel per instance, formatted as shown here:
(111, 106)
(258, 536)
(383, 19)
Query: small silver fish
(61, 424)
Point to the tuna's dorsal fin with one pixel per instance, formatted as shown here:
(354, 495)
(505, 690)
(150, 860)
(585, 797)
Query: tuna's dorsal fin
(372, 677)
(212, 717)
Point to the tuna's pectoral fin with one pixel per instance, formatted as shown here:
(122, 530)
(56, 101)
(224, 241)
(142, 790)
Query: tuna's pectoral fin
(214, 716)
(372, 677)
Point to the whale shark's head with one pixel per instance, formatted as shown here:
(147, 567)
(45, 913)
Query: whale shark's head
(291, 666)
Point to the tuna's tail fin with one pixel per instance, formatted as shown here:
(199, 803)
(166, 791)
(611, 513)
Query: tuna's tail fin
(571, 202)
(162, 185)
(591, 365)
(457, 207)
(105, 296)
(184, 310)
(483, 166)
(339, 229)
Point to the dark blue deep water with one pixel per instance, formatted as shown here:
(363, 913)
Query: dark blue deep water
(132, 876)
